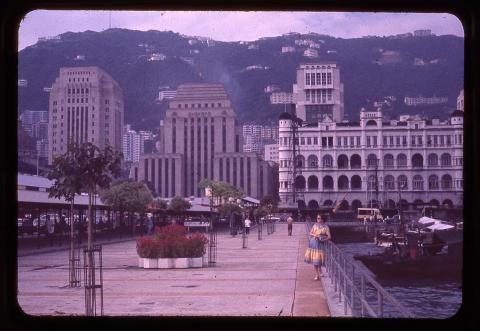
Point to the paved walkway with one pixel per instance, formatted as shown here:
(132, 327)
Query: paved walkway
(269, 278)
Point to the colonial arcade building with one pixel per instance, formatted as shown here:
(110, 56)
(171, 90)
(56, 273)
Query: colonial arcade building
(373, 162)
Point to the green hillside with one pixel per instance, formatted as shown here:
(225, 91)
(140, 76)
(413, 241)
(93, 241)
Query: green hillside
(370, 69)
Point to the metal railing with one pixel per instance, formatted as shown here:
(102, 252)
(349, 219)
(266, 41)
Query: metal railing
(360, 293)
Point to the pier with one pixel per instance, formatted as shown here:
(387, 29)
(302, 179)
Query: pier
(267, 277)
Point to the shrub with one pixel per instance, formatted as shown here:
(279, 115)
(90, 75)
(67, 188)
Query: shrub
(172, 241)
(146, 248)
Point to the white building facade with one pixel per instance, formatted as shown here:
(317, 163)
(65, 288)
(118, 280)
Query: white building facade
(318, 92)
(373, 162)
(133, 145)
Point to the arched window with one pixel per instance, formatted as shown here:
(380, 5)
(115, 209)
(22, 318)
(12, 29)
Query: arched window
(432, 160)
(389, 182)
(402, 182)
(356, 204)
(327, 161)
(371, 182)
(356, 182)
(312, 204)
(312, 161)
(390, 203)
(417, 182)
(343, 205)
(417, 161)
(372, 161)
(312, 182)
(446, 182)
(300, 161)
(446, 160)
(418, 203)
(343, 182)
(371, 123)
(433, 182)
(327, 183)
(388, 161)
(355, 161)
(300, 183)
(401, 161)
(342, 162)
(434, 202)
(301, 204)
(447, 203)
(328, 203)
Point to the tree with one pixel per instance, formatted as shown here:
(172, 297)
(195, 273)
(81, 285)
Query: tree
(160, 204)
(67, 182)
(127, 196)
(270, 204)
(221, 192)
(178, 205)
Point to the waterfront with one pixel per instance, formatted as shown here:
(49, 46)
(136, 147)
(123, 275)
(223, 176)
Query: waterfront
(426, 298)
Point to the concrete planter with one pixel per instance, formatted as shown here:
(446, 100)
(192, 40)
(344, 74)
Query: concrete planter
(170, 263)
(165, 263)
(195, 262)
(150, 263)
(181, 262)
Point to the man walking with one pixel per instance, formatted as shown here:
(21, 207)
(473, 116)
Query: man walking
(248, 223)
(290, 225)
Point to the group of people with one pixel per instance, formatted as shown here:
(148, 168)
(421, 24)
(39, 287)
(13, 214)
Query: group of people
(318, 236)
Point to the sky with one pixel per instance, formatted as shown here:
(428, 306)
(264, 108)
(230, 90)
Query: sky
(235, 25)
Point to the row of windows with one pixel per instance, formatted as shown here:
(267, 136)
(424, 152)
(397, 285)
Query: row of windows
(199, 105)
(78, 91)
(434, 182)
(83, 79)
(319, 78)
(390, 203)
(79, 100)
(318, 96)
(355, 161)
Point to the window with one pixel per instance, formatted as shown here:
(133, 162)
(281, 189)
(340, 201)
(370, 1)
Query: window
(307, 79)
(417, 182)
(307, 95)
(318, 78)
(433, 182)
(313, 79)
(302, 141)
(404, 140)
(329, 78)
(315, 140)
(327, 161)
(309, 141)
(324, 78)
(339, 141)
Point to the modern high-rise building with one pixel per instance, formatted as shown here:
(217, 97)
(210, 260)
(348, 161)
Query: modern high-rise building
(34, 122)
(318, 92)
(199, 138)
(373, 162)
(86, 105)
(461, 101)
(133, 144)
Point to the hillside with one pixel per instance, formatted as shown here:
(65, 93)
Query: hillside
(371, 68)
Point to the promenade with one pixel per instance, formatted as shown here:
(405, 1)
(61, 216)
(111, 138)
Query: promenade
(268, 278)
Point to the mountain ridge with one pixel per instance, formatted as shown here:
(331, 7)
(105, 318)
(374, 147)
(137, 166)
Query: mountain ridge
(370, 68)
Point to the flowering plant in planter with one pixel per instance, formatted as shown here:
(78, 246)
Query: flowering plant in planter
(172, 241)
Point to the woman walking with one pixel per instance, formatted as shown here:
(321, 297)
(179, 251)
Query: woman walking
(315, 253)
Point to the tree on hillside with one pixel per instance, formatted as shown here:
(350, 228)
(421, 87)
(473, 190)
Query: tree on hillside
(131, 197)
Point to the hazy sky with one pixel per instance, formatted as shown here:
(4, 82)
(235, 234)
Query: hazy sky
(235, 26)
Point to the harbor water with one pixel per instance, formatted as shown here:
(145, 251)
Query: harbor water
(426, 298)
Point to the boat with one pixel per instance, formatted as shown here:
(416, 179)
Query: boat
(430, 248)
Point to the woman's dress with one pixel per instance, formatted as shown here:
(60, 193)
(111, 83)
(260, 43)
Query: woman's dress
(315, 253)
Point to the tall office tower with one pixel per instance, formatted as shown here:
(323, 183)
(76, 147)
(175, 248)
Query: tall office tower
(198, 139)
(86, 105)
(133, 144)
(33, 122)
(319, 92)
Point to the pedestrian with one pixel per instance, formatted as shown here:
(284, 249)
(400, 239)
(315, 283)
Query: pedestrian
(290, 225)
(150, 225)
(315, 253)
(248, 223)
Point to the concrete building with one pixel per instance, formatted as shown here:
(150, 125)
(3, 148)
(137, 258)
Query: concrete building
(86, 105)
(288, 49)
(133, 144)
(199, 138)
(422, 101)
(461, 101)
(271, 153)
(281, 98)
(310, 52)
(318, 92)
(35, 123)
(167, 94)
(371, 162)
